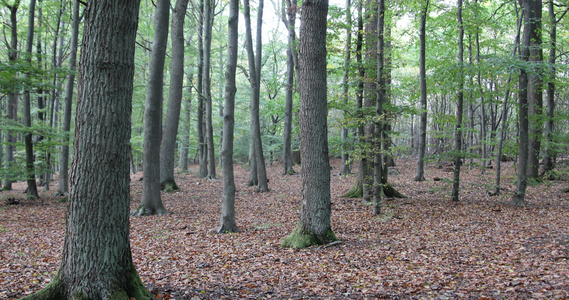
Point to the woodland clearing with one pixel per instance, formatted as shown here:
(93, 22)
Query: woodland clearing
(423, 246)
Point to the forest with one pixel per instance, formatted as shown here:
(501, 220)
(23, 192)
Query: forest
(215, 149)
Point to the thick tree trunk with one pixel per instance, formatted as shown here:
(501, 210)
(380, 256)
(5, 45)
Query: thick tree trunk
(422, 143)
(96, 261)
(228, 223)
(151, 203)
(459, 108)
(314, 226)
(63, 183)
(12, 107)
(168, 147)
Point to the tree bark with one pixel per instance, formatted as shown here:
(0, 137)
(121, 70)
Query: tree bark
(228, 223)
(63, 183)
(12, 107)
(345, 168)
(378, 124)
(151, 203)
(168, 147)
(535, 89)
(289, 18)
(459, 108)
(208, 25)
(97, 261)
(202, 144)
(32, 189)
(314, 225)
(422, 143)
(549, 159)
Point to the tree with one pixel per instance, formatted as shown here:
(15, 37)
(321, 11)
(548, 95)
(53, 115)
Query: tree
(12, 107)
(168, 147)
(151, 203)
(208, 25)
(529, 11)
(345, 168)
(255, 80)
(63, 184)
(314, 225)
(423, 86)
(97, 261)
(379, 113)
(289, 18)
(202, 144)
(459, 109)
(228, 223)
(30, 156)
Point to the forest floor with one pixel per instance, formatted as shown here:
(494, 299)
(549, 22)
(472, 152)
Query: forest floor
(421, 247)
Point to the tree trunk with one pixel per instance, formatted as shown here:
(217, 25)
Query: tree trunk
(345, 168)
(422, 143)
(228, 223)
(378, 126)
(291, 61)
(459, 108)
(314, 225)
(208, 25)
(535, 91)
(97, 261)
(63, 185)
(151, 203)
(168, 147)
(185, 142)
(202, 144)
(32, 189)
(12, 107)
(549, 159)
(523, 123)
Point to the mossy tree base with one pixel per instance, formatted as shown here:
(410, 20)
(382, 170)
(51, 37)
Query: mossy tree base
(391, 192)
(56, 290)
(144, 210)
(291, 171)
(169, 186)
(565, 190)
(357, 191)
(300, 239)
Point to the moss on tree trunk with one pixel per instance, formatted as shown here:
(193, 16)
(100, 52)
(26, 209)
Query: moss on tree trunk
(144, 210)
(169, 186)
(357, 191)
(391, 192)
(301, 238)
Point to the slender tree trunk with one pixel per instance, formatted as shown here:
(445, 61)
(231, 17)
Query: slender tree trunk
(523, 123)
(151, 203)
(345, 168)
(30, 155)
(97, 261)
(63, 185)
(422, 143)
(459, 108)
(202, 144)
(185, 143)
(208, 25)
(549, 159)
(483, 126)
(12, 107)
(381, 97)
(228, 223)
(289, 18)
(314, 226)
(168, 147)
(535, 89)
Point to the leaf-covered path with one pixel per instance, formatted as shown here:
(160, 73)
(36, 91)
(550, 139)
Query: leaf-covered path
(421, 247)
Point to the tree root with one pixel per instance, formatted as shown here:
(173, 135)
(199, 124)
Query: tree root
(357, 191)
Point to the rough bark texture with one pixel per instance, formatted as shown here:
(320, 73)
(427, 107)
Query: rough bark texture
(96, 261)
(228, 223)
(345, 167)
(549, 159)
(314, 225)
(151, 203)
(459, 108)
(63, 183)
(202, 145)
(422, 143)
(168, 147)
(380, 99)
